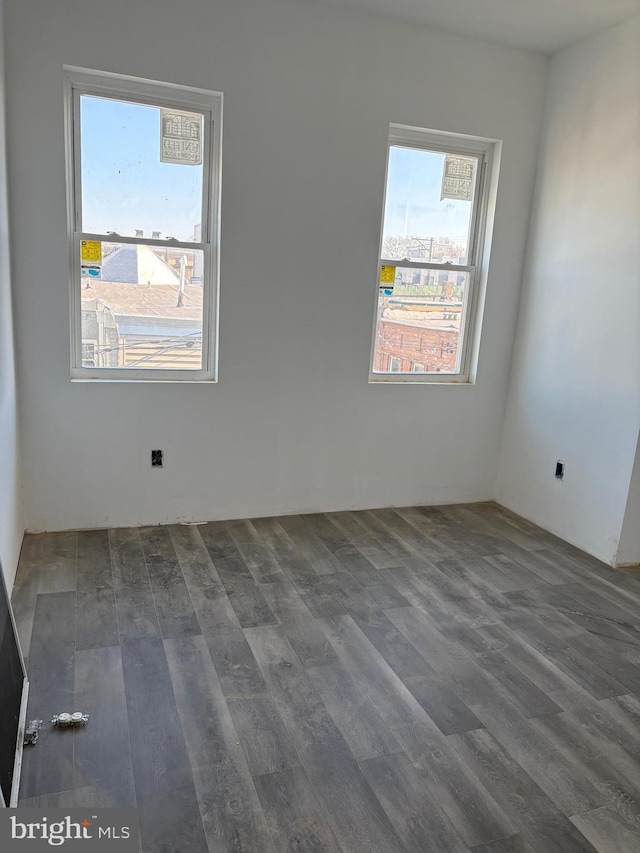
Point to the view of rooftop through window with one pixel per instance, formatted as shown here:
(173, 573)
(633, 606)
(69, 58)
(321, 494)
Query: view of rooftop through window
(420, 315)
(141, 176)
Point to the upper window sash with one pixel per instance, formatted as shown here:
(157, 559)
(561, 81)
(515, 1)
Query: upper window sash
(446, 143)
(153, 99)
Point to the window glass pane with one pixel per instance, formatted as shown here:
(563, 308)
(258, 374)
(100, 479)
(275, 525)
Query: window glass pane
(142, 307)
(428, 205)
(126, 188)
(419, 322)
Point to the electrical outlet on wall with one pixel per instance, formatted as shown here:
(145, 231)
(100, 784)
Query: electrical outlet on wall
(559, 470)
(156, 458)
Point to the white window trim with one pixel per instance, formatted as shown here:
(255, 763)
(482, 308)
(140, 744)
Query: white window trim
(488, 151)
(80, 81)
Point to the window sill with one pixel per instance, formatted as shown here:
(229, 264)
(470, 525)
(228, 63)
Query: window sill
(88, 380)
(381, 379)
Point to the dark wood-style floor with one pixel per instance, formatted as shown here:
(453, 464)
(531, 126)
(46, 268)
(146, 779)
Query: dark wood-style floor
(424, 679)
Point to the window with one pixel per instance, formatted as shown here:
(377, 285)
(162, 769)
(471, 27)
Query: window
(433, 256)
(143, 187)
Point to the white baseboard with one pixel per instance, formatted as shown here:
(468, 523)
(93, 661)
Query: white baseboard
(17, 764)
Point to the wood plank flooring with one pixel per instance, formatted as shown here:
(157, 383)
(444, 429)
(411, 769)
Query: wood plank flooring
(434, 680)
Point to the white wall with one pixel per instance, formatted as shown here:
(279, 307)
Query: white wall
(629, 548)
(293, 424)
(575, 385)
(11, 523)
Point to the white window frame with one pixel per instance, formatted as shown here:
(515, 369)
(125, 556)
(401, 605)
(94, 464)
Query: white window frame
(488, 153)
(80, 81)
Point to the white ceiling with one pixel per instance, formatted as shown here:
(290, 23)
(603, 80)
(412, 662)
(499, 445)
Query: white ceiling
(545, 25)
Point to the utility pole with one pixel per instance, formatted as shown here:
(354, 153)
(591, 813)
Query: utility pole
(183, 275)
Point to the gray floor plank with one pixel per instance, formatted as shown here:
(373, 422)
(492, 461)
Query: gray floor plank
(531, 565)
(412, 539)
(359, 536)
(395, 703)
(489, 521)
(543, 563)
(391, 540)
(249, 603)
(94, 561)
(416, 819)
(176, 615)
(310, 546)
(607, 832)
(451, 540)
(620, 587)
(158, 752)
(47, 767)
(330, 534)
(513, 844)
(135, 606)
(96, 619)
(535, 815)
(595, 599)
(243, 592)
(25, 588)
(620, 669)
(578, 667)
(539, 669)
(195, 561)
(102, 769)
(129, 570)
(464, 800)
(488, 676)
(257, 556)
(231, 813)
(60, 555)
(221, 547)
(298, 624)
(545, 606)
(260, 729)
(611, 765)
(443, 705)
(96, 616)
(562, 774)
(171, 822)
(351, 710)
(294, 814)
(234, 662)
(266, 743)
(297, 569)
(59, 800)
(521, 692)
(442, 598)
(356, 815)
